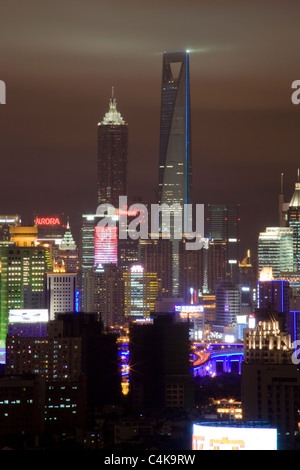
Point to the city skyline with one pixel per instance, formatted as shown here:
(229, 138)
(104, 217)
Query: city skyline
(118, 330)
(59, 82)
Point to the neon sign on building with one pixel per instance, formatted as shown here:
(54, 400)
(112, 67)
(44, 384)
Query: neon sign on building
(47, 221)
(137, 268)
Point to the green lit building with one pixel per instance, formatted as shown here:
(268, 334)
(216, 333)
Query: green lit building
(22, 282)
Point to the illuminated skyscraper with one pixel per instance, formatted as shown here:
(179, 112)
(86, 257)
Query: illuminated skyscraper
(275, 250)
(112, 156)
(228, 302)
(106, 245)
(103, 289)
(293, 214)
(175, 164)
(22, 281)
(98, 243)
(140, 292)
(61, 292)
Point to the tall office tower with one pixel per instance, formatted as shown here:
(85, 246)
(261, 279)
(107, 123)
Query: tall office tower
(99, 244)
(106, 245)
(156, 256)
(112, 156)
(159, 360)
(68, 252)
(22, 281)
(216, 256)
(293, 215)
(175, 160)
(87, 250)
(50, 232)
(128, 253)
(247, 271)
(274, 292)
(270, 381)
(104, 294)
(228, 302)
(191, 273)
(140, 292)
(275, 250)
(223, 223)
(61, 292)
(87, 245)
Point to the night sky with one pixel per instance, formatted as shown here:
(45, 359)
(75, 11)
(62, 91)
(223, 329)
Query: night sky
(60, 59)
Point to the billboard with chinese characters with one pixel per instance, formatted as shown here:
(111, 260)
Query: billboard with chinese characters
(214, 437)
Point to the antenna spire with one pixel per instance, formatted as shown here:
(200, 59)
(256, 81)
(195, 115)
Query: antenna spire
(281, 184)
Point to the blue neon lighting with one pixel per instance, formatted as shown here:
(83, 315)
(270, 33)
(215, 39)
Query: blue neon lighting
(77, 301)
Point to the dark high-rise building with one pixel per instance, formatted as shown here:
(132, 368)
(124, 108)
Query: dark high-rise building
(75, 347)
(156, 256)
(274, 292)
(159, 364)
(223, 225)
(112, 156)
(175, 164)
(99, 357)
(216, 254)
(191, 272)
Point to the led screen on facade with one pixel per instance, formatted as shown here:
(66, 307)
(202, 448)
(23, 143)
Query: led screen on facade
(210, 437)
